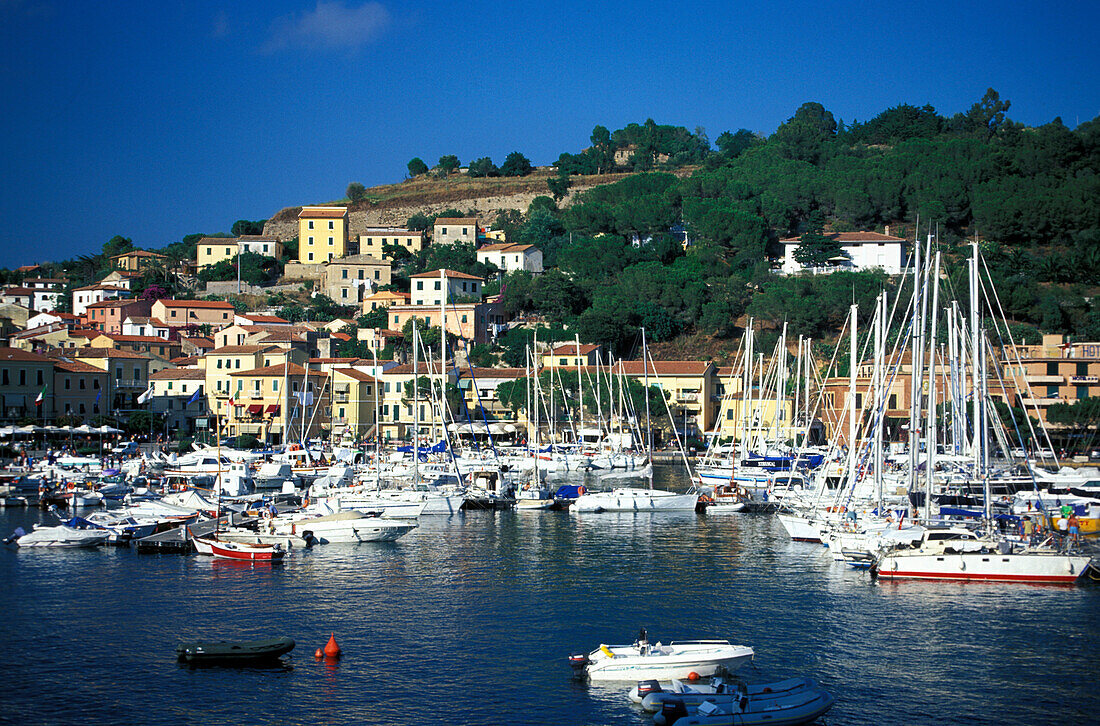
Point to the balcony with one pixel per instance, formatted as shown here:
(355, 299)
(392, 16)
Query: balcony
(1041, 402)
(130, 383)
(689, 397)
(1045, 379)
(340, 398)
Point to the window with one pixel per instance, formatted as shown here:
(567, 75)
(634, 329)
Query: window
(1052, 369)
(377, 275)
(331, 242)
(240, 384)
(330, 257)
(1082, 392)
(341, 414)
(360, 274)
(330, 224)
(311, 227)
(419, 284)
(95, 384)
(81, 384)
(1052, 391)
(209, 252)
(893, 402)
(387, 387)
(265, 248)
(238, 364)
(311, 257)
(311, 240)
(444, 230)
(464, 230)
(344, 273)
(219, 362)
(170, 406)
(82, 408)
(40, 378)
(859, 401)
(343, 292)
(437, 284)
(463, 287)
(68, 383)
(169, 385)
(1082, 369)
(464, 317)
(22, 378)
(563, 362)
(275, 385)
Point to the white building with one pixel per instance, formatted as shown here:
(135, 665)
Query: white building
(85, 296)
(145, 327)
(863, 251)
(449, 230)
(509, 258)
(427, 288)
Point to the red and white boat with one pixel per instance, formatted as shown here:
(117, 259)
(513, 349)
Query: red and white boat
(247, 551)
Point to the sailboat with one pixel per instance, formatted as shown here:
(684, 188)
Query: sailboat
(533, 495)
(638, 499)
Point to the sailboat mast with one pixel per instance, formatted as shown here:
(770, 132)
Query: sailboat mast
(415, 407)
(852, 413)
(880, 394)
(930, 460)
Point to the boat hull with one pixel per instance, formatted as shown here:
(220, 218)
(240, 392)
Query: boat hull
(627, 663)
(224, 651)
(990, 567)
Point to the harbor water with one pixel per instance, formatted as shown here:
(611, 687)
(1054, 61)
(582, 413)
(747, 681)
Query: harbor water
(469, 619)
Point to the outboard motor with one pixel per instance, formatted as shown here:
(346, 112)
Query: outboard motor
(671, 711)
(309, 538)
(578, 662)
(647, 687)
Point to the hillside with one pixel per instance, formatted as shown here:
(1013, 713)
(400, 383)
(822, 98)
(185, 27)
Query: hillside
(393, 204)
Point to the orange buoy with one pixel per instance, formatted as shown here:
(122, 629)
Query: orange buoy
(332, 650)
(319, 654)
(693, 676)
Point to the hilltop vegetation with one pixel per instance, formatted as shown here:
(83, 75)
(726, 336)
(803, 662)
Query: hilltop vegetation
(604, 217)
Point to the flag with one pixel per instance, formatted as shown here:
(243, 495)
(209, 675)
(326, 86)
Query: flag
(144, 397)
(41, 397)
(98, 394)
(194, 396)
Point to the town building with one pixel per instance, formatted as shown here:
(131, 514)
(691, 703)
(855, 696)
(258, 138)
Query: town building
(154, 346)
(184, 313)
(572, 355)
(449, 230)
(138, 260)
(23, 376)
(145, 326)
(278, 403)
(375, 239)
(510, 258)
(210, 251)
(384, 299)
(77, 387)
(174, 397)
(91, 294)
(397, 408)
(348, 280)
(861, 251)
(108, 316)
(121, 278)
(322, 234)
(427, 287)
(355, 398)
(689, 385)
(474, 322)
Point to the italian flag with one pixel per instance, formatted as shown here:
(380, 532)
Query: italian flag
(41, 397)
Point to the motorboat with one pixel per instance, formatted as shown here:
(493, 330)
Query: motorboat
(652, 695)
(348, 526)
(246, 551)
(775, 709)
(635, 499)
(642, 661)
(226, 651)
(74, 533)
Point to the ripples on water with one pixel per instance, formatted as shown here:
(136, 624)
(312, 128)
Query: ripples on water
(468, 620)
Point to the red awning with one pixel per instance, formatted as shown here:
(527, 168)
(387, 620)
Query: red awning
(255, 408)
(273, 408)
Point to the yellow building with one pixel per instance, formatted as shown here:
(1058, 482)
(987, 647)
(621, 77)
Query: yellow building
(689, 385)
(397, 410)
(375, 238)
(278, 403)
(731, 424)
(221, 363)
(322, 234)
(137, 260)
(354, 397)
(212, 250)
(570, 355)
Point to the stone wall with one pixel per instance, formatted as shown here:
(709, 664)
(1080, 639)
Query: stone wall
(229, 287)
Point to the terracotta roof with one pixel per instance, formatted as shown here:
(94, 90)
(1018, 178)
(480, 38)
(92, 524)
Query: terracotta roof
(257, 238)
(851, 237)
(75, 366)
(139, 253)
(571, 349)
(389, 294)
(332, 360)
(107, 353)
(261, 319)
(322, 212)
(422, 369)
(22, 291)
(44, 279)
(41, 330)
(186, 360)
(15, 354)
(357, 375)
(139, 339)
(456, 220)
(341, 336)
(216, 304)
(284, 336)
(635, 368)
(277, 370)
(198, 342)
(115, 303)
(124, 273)
(82, 333)
(238, 349)
(217, 241)
(27, 268)
(177, 374)
(492, 373)
(97, 286)
(448, 273)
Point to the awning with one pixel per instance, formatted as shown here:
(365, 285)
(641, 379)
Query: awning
(255, 408)
(273, 408)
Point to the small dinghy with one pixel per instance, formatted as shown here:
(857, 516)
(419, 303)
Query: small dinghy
(652, 695)
(642, 661)
(228, 651)
(246, 551)
(774, 709)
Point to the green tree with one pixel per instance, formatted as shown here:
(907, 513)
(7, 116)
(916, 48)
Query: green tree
(448, 163)
(559, 186)
(419, 222)
(482, 356)
(117, 245)
(244, 226)
(816, 249)
(417, 166)
(376, 318)
(356, 192)
(516, 164)
(483, 167)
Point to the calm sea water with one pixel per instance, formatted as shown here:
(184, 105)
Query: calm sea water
(469, 619)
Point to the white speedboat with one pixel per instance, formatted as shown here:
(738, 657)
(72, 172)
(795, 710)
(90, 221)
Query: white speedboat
(64, 536)
(642, 661)
(635, 499)
(343, 527)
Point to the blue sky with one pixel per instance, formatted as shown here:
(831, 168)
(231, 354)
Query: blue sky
(155, 120)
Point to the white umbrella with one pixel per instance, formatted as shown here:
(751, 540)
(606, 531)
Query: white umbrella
(7, 431)
(27, 430)
(84, 429)
(105, 429)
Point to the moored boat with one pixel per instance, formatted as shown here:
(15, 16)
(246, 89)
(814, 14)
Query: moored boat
(247, 551)
(642, 661)
(226, 651)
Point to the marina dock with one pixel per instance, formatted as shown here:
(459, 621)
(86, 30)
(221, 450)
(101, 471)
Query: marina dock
(178, 540)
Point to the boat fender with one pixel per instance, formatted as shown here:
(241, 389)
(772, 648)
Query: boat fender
(693, 676)
(962, 564)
